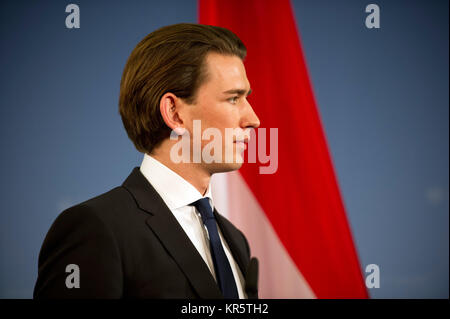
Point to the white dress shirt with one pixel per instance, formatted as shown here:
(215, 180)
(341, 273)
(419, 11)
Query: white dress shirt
(178, 193)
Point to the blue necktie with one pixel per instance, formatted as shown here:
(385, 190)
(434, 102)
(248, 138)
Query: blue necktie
(225, 278)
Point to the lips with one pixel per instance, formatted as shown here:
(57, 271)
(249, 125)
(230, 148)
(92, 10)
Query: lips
(242, 143)
(242, 140)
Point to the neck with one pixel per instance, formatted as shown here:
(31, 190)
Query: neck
(191, 172)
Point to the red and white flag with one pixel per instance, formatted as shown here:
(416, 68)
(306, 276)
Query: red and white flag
(295, 218)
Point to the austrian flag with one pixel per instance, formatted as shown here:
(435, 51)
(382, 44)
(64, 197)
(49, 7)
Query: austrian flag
(294, 218)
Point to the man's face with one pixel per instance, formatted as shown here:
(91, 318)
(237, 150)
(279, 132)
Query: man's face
(221, 104)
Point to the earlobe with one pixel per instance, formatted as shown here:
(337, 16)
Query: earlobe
(179, 130)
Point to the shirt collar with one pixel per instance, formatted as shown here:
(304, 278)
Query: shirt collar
(174, 189)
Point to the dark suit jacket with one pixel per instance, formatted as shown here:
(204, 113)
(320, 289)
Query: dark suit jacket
(128, 244)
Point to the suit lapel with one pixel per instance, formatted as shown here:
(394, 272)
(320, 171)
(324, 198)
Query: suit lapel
(230, 235)
(172, 236)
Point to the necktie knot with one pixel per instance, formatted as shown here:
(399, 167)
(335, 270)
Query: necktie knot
(204, 208)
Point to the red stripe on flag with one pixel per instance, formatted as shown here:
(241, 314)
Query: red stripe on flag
(302, 199)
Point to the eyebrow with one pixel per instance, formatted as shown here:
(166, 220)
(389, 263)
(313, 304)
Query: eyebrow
(238, 91)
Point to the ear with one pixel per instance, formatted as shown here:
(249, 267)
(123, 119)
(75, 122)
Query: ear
(169, 107)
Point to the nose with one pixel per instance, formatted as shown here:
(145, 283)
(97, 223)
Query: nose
(249, 118)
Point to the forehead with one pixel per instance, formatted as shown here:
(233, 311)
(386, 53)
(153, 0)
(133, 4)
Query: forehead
(226, 72)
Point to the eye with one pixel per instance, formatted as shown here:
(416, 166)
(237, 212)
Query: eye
(233, 100)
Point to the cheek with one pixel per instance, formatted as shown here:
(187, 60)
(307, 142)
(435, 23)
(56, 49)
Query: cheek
(222, 116)
(218, 120)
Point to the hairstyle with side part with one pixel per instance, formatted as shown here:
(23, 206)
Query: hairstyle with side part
(170, 59)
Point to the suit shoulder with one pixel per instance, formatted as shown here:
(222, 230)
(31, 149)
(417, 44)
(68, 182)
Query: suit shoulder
(102, 208)
(81, 235)
(98, 217)
(116, 196)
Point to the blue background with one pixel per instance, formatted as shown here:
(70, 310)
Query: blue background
(382, 94)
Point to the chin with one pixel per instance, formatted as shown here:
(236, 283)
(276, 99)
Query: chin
(223, 167)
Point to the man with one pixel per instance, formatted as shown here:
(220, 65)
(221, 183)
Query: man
(158, 235)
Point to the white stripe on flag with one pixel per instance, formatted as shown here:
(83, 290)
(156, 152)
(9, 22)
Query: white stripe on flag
(278, 275)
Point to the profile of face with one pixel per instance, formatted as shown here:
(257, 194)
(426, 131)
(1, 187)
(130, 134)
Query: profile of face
(221, 105)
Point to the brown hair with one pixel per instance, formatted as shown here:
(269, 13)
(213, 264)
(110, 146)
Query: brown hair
(170, 59)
